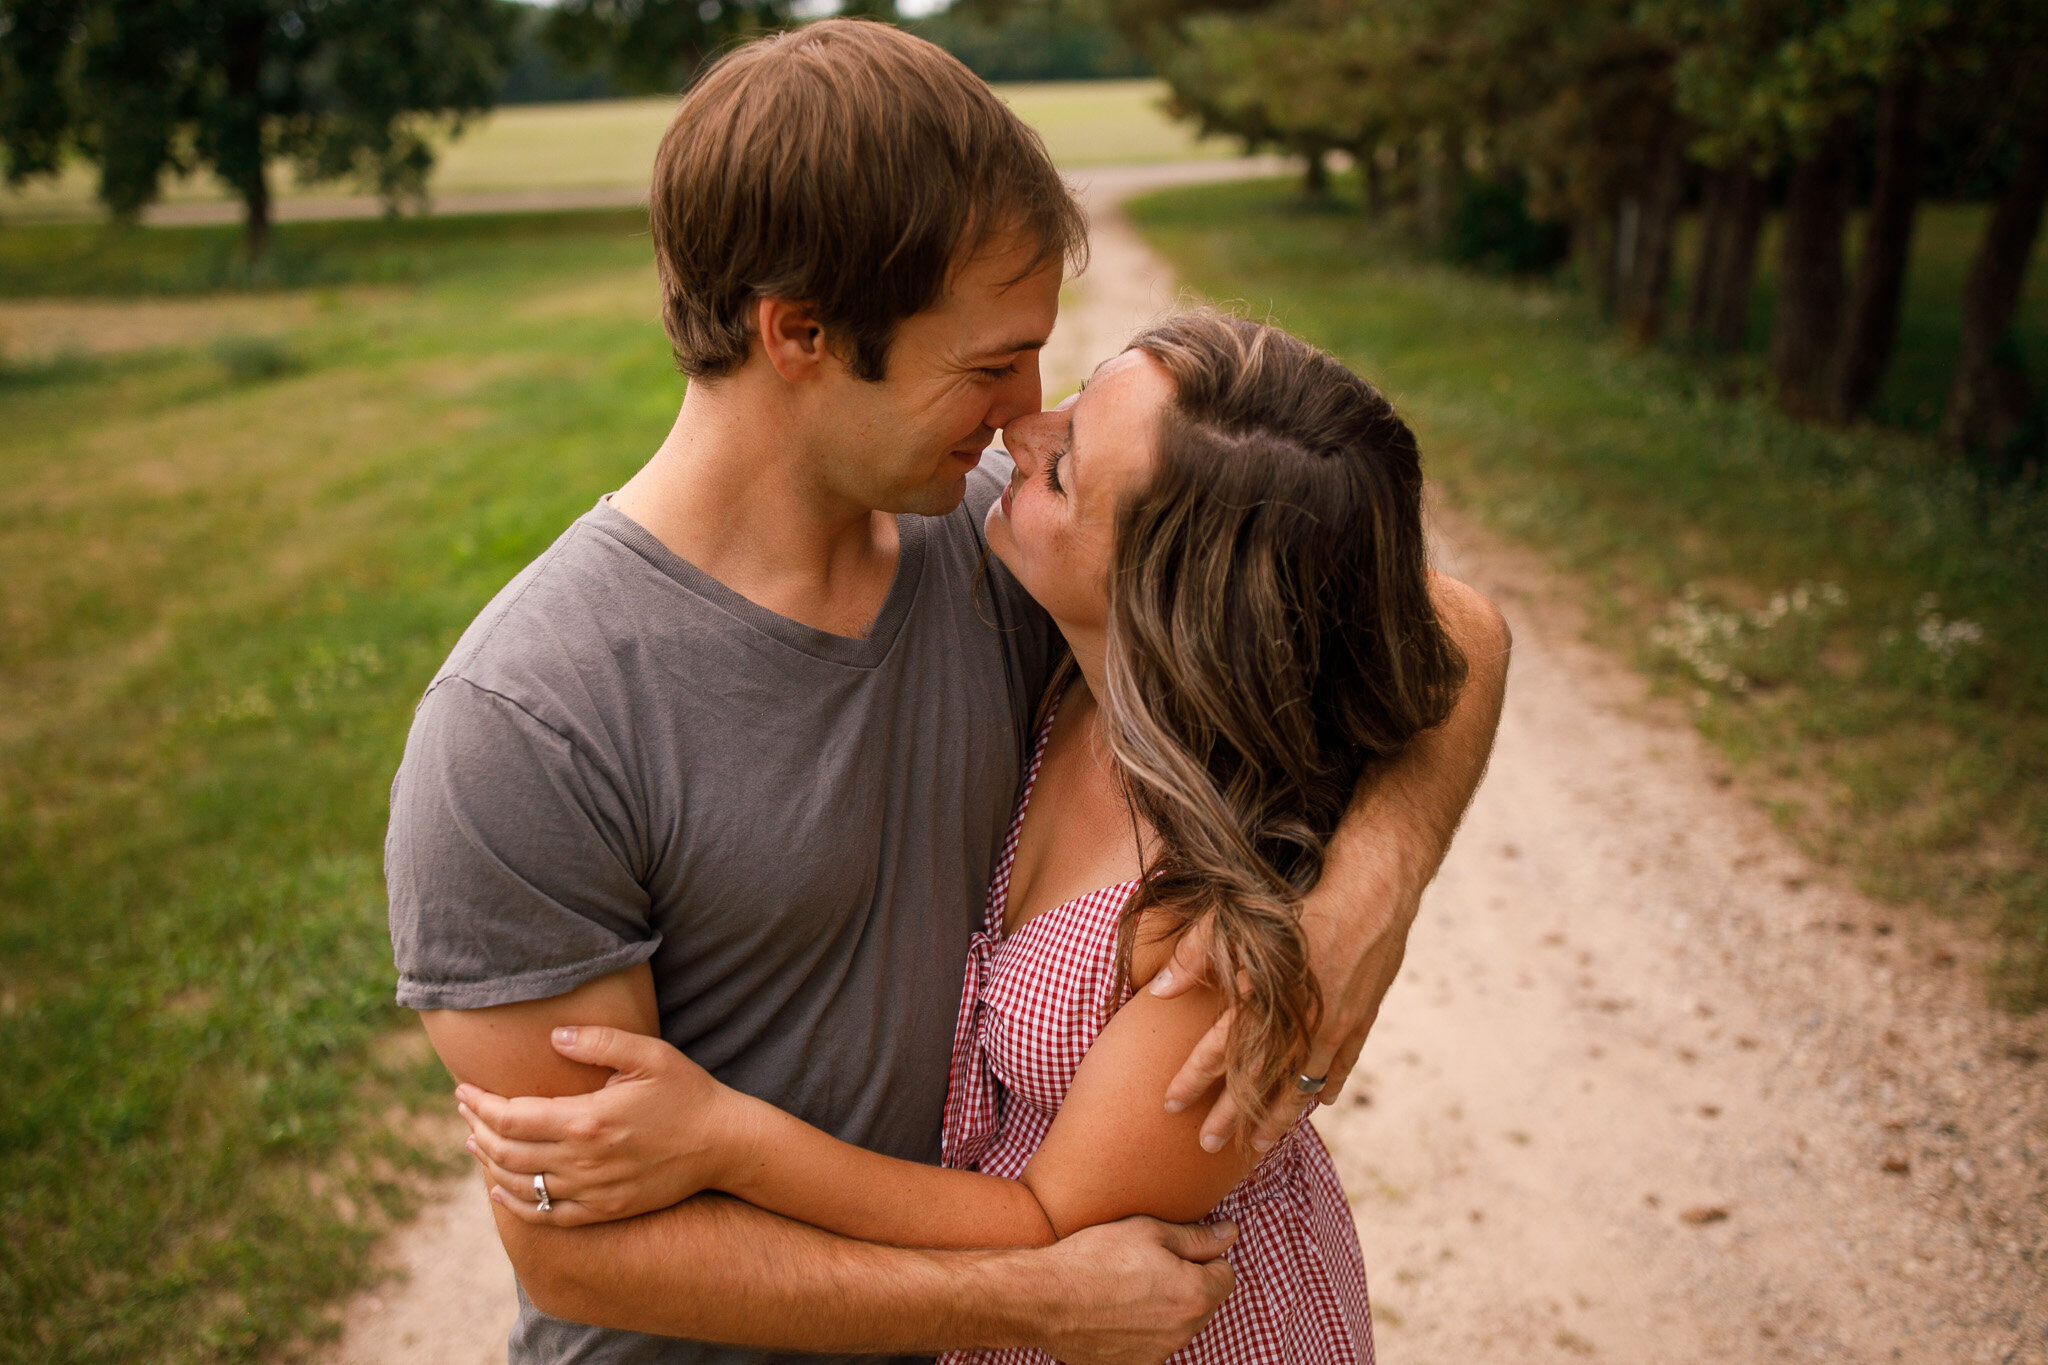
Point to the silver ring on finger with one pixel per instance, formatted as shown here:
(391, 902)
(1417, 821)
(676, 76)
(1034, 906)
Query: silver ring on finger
(540, 1194)
(1307, 1085)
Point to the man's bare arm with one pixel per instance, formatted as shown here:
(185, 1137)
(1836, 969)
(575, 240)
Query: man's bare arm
(714, 1269)
(1384, 854)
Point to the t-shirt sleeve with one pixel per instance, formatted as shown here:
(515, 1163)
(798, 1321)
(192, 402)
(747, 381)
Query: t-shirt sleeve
(507, 861)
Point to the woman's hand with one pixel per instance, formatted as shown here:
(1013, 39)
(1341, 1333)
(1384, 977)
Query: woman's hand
(659, 1131)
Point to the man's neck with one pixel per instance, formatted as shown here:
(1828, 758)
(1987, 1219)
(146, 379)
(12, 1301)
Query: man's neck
(728, 492)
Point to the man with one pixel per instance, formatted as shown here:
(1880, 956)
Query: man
(730, 764)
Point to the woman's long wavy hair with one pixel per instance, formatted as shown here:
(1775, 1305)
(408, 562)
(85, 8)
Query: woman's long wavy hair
(1271, 640)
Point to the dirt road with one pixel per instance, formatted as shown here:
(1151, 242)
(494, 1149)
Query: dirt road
(1651, 1088)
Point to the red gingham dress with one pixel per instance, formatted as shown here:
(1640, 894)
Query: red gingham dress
(1032, 1005)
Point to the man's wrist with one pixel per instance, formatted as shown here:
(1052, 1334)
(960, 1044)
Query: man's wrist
(1018, 1296)
(739, 1157)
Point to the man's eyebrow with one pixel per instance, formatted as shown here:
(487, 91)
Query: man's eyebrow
(1012, 347)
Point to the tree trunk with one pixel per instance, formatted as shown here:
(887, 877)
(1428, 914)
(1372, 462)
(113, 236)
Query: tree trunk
(1873, 322)
(1648, 280)
(1441, 182)
(1315, 175)
(1734, 285)
(1808, 319)
(1990, 396)
(1370, 188)
(1456, 176)
(1706, 266)
(1593, 240)
(1429, 190)
(240, 155)
(256, 217)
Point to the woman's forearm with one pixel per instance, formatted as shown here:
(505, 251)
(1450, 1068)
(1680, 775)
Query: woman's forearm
(786, 1166)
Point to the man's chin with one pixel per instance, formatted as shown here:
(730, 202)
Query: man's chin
(935, 499)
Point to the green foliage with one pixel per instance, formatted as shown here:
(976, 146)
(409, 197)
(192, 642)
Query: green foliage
(1769, 81)
(1898, 717)
(538, 74)
(35, 47)
(1032, 40)
(655, 46)
(223, 599)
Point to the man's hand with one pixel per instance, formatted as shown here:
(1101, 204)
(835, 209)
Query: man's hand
(1382, 857)
(1355, 950)
(1132, 1292)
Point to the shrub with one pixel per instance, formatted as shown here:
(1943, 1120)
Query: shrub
(1492, 229)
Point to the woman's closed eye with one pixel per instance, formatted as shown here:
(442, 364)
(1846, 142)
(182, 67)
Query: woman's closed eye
(1052, 469)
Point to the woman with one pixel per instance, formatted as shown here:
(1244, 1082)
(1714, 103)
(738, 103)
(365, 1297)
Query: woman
(1226, 527)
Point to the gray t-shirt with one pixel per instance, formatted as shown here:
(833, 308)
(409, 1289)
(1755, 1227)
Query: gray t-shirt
(625, 761)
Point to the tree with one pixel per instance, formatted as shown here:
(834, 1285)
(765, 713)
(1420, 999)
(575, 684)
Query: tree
(1807, 322)
(1297, 77)
(1872, 325)
(343, 88)
(1031, 40)
(35, 42)
(1990, 396)
(1798, 83)
(1608, 112)
(655, 46)
(1724, 276)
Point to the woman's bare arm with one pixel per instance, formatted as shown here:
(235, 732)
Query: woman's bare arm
(1112, 1151)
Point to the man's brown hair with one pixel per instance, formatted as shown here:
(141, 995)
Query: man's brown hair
(847, 165)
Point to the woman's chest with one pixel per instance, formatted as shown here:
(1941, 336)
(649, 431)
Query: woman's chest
(1078, 834)
(1047, 992)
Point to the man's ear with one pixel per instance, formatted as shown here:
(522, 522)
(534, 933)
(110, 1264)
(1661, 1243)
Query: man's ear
(792, 337)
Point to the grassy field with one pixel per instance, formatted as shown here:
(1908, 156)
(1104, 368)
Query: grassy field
(601, 143)
(231, 565)
(1858, 622)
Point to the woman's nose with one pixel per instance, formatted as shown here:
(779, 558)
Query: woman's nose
(1027, 438)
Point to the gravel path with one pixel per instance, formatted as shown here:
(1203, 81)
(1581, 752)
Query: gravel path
(1651, 1088)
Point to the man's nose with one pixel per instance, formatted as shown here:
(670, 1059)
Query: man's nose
(1016, 396)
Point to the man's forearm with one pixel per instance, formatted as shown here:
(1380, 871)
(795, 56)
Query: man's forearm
(1400, 826)
(716, 1269)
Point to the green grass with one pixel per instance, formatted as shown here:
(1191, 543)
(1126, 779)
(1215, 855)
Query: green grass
(605, 143)
(68, 259)
(231, 567)
(1925, 770)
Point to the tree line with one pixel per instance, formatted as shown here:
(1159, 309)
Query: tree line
(1614, 118)
(342, 90)
(1588, 126)
(363, 90)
